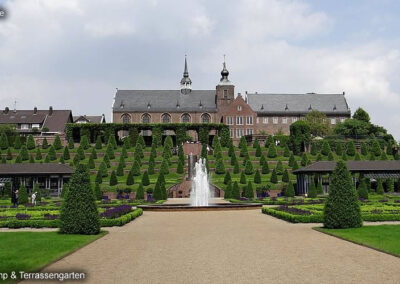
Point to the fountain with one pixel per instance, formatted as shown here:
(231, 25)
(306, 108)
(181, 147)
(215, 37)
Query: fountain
(200, 192)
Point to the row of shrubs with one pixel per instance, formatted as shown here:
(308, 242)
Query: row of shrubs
(319, 218)
(120, 221)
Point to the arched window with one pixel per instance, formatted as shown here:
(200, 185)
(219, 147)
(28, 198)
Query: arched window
(205, 118)
(165, 118)
(126, 118)
(186, 118)
(146, 118)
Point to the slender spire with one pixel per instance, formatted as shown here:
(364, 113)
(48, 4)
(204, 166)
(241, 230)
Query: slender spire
(186, 83)
(224, 75)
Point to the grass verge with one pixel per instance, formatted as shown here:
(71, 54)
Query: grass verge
(31, 251)
(384, 238)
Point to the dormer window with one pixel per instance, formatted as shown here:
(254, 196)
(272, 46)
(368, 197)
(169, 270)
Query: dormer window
(239, 108)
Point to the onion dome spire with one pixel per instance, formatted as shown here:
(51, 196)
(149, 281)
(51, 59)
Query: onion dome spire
(224, 75)
(186, 83)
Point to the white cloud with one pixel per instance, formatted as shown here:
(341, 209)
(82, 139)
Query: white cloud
(81, 50)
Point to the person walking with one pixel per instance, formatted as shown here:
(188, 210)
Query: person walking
(16, 197)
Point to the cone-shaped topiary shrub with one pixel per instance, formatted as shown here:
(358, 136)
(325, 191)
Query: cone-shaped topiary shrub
(80, 153)
(38, 155)
(24, 153)
(312, 190)
(22, 195)
(379, 188)
(243, 178)
(279, 168)
(17, 142)
(93, 154)
(145, 179)
(52, 154)
(265, 168)
(140, 192)
(344, 156)
(151, 165)
(113, 178)
(231, 149)
(130, 180)
(225, 137)
(4, 141)
(97, 192)
(313, 149)
(319, 157)
(351, 149)
(285, 176)
(257, 177)
(45, 144)
(319, 189)
(330, 156)
(228, 191)
(164, 169)
(57, 142)
(91, 164)
(120, 169)
(98, 144)
(364, 149)
(249, 192)
(249, 168)
(390, 185)
(291, 160)
(326, 149)
(339, 148)
(362, 190)
(342, 209)
(103, 169)
(219, 167)
(110, 151)
(290, 190)
(227, 178)
(30, 142)
(134, 135)
(235, 191)
(71, 144)
(84, 142)
(274, 177)
(135, 168)
(66, 155)
(236, 168)
(78, 213)
(304, 159)
(272, 151)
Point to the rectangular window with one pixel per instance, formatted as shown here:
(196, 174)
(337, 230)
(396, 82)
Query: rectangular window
(35, 125)
(265, 120)
(225, 94)
(249, 131)
(333, 120)
(275, 120)
(231, 132)
(249, 120)
(24, 126)
(257, 120)
(284, 120)
(294, 119)
(229, 120)
(239, 120)
(239, 132)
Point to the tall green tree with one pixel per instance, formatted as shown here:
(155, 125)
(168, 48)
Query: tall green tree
(235, 191)
(342, 209)
(57, 142)
(30, 142)
(249, 192)
(140, 192)
(78, 214)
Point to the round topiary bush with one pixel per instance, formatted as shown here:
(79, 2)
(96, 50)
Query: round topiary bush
(78, 214)
(342, 209)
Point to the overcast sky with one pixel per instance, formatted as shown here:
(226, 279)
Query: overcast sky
(74, 53)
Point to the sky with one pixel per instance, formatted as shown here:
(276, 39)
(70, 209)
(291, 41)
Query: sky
(73, 54)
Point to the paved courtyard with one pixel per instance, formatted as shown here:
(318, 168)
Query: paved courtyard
(226, 247)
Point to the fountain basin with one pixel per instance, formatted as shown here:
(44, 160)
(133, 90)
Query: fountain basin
(210, 207)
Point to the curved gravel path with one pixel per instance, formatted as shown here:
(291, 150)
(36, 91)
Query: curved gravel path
(226, 247)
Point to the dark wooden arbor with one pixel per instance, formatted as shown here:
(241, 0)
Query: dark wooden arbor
(50, 176)
(323, 170)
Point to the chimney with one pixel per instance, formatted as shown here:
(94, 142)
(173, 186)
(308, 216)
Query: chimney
(50, 110)
(35, 110)
(6, 110)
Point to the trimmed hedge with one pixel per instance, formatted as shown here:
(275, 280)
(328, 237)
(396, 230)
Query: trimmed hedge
(120, 221)
(319, 218)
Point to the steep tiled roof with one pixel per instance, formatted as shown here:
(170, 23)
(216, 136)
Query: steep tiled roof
(165, 101)
(298, 103)
(55, 122)
(35, 168)
(89, 118)
(356, 166)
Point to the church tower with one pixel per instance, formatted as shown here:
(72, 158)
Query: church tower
(225, 90)
(186, 83)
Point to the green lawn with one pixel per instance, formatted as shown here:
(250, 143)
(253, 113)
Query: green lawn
(383, 237)
(30, 251)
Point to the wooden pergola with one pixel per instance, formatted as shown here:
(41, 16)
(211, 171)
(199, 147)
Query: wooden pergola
(367, 169)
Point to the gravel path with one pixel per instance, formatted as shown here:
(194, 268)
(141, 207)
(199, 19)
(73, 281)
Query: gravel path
(226, 247)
